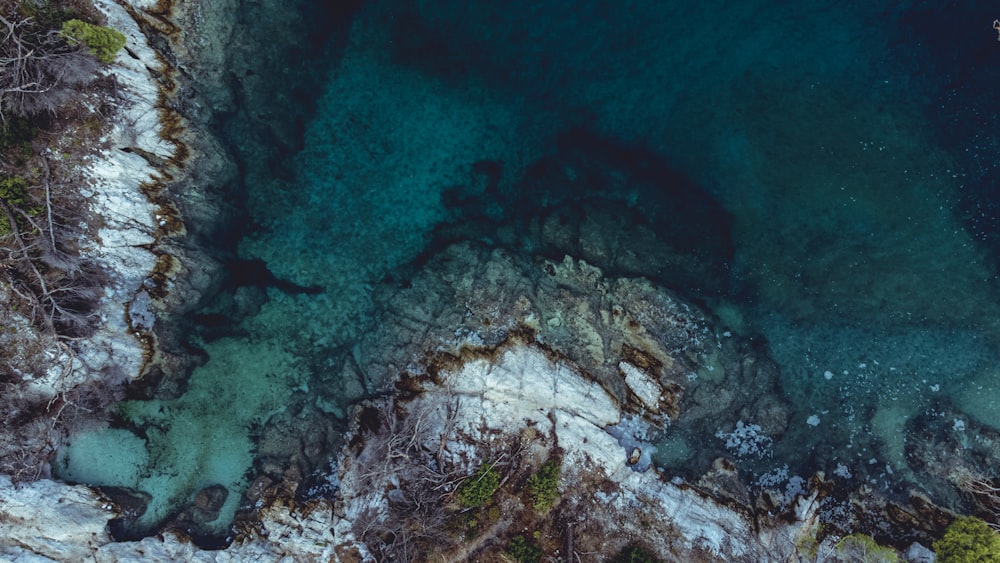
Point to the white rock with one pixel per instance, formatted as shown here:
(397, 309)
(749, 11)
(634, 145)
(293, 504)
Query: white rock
(115, 178)
(645, 387)
(524, 387)
(46, 520)
(917, 553)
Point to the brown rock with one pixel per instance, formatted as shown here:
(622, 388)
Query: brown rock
(211, 498)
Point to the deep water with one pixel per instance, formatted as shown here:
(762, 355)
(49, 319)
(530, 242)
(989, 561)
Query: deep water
(828, 168)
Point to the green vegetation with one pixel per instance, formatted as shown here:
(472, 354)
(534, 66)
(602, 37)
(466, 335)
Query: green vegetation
(968, 540)
(862, 548)
(635, 554)
(14, 190)
(544, 485)
(17, 132)
(47, 86)
(478, 489)
(104, 42)
(51, 14)
(523, 550)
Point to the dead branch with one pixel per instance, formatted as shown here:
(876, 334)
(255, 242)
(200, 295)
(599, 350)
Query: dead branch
(39, 69)
(985, 492)
(48, 201)
(50, 301)
(409, 465)
(26, 260)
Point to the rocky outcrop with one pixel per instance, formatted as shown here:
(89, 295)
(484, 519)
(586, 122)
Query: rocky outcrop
(119, 178)
(625, 333)
(188, 184)
(508, 362)
(49, 521)
(482, 358)
(519, 408)
(134, 239)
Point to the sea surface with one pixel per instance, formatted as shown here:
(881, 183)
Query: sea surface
(847, 152)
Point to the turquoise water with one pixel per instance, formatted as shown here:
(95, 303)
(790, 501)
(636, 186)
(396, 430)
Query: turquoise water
(847, 146)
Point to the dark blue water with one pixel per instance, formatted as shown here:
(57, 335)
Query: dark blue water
(828, 166)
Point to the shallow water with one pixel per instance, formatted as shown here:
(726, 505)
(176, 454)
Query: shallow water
(849, 150)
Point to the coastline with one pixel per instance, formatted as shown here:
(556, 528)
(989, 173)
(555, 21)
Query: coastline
(137, 182)
(151, 189)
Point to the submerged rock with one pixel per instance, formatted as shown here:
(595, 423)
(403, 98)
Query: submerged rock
(654, 352)
(472, 295)
(209, 501)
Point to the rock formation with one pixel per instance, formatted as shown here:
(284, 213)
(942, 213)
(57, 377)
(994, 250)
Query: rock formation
(487, 360)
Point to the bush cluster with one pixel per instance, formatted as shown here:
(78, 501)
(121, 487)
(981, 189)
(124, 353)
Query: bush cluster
(968, 540)
(103, 42)
(860, 547)
(478, 489)
(523, 550)
(544, 485)
(13, 192)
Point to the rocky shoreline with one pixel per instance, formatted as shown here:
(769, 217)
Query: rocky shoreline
(549, 361)
(137, 183)
(485, 357)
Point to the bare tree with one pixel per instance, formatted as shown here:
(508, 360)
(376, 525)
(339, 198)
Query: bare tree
(61, 292)
(43, 279)
(39, 70)
(409, 462)
(985, 492)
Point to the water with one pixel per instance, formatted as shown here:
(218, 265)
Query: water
(849, 149)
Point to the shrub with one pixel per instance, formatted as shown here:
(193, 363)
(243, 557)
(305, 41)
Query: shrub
(544, 485)
(862, 548)
(478, 489)
(44, 69)
(967, 540)
(104, 42)
(635, 554)
(523, 551)
(16, 132)
(14, 190)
